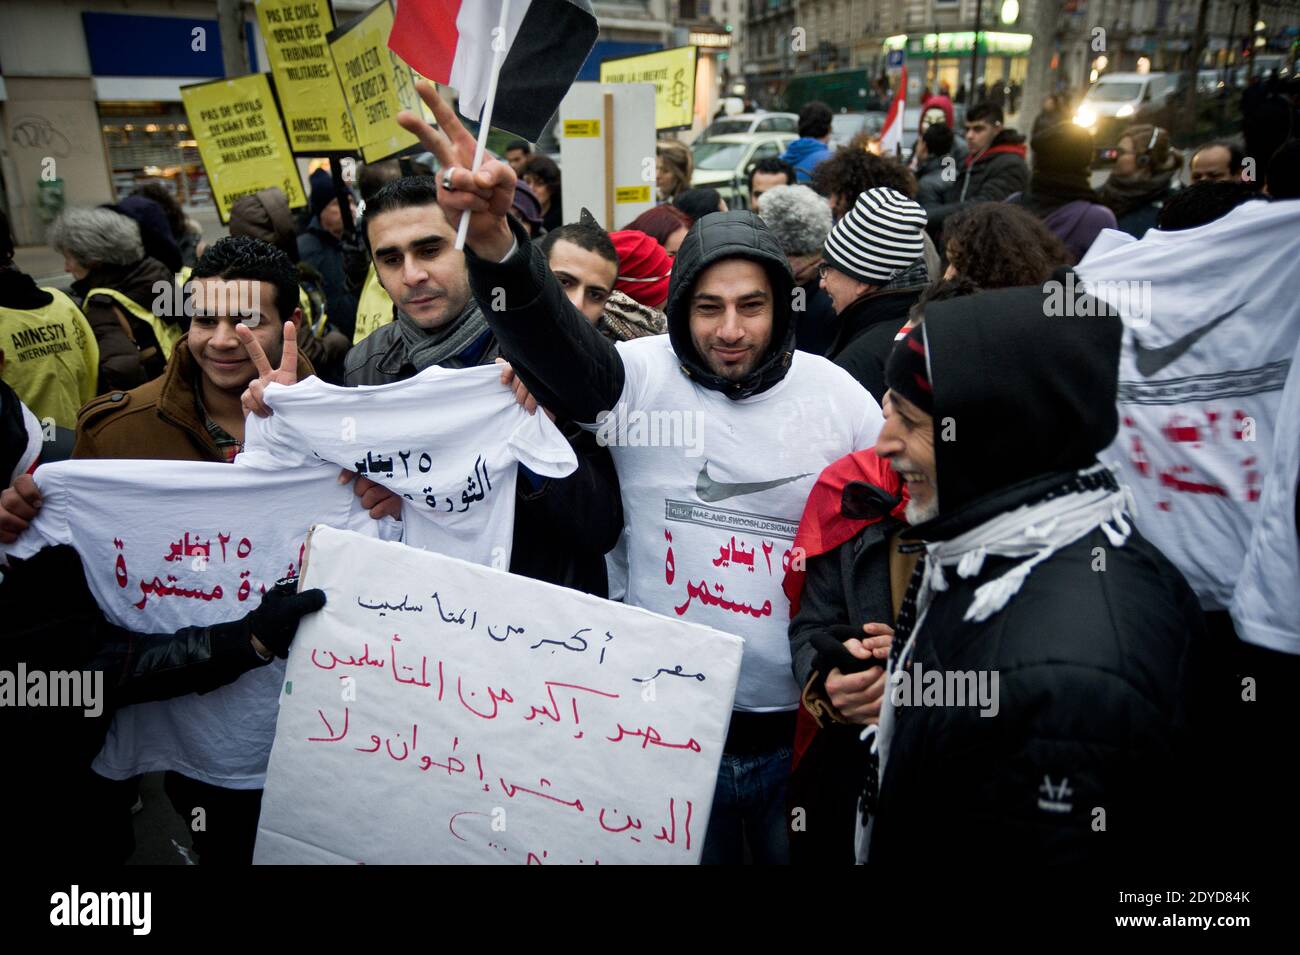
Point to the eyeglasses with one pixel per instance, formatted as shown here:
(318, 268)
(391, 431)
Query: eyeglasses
(822, 269)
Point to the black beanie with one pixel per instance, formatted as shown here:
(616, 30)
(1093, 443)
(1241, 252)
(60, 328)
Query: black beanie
(907, 371)
(1019, 391)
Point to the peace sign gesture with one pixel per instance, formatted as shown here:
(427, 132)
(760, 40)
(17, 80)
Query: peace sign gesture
(286, 374)
(486, 195)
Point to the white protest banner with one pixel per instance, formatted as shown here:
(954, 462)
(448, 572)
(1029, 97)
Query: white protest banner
(171, 544)
(1202, 366)
(607, 137)
(439, 711)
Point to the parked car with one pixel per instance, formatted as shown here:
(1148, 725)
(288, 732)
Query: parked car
(844, 126)
(751, 123)
(1119, 100)
(725, 161)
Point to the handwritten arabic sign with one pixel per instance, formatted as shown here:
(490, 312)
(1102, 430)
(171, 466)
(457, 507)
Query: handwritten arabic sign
(438, 711)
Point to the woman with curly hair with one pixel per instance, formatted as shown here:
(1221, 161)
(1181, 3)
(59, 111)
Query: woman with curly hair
(1001, 245)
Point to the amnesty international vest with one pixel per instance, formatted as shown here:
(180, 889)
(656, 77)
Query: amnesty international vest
(166, 333)
(374, 308)
(51, 358)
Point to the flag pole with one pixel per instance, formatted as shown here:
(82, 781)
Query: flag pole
(485, 122)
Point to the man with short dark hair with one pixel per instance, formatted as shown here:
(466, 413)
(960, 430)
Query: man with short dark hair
(438, 322)
(518, 152)
(814, 134)
(768, 174)
(583, 258)
(1218, 161)
(994, 168)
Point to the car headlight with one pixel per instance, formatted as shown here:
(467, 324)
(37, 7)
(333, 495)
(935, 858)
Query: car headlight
(1085, 117)
(1125, 110)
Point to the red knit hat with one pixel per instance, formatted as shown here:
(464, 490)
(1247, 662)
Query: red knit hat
(643, 267)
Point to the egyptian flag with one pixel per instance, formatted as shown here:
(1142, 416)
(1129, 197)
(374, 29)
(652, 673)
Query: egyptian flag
(545, 44)
(891, 134)
(840, 505)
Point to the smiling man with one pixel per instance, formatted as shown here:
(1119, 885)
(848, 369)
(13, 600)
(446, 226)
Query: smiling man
(437, 320)
(1034, 574)
(192, 412)
(772, 418)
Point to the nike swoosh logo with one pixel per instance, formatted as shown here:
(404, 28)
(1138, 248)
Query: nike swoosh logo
(1152, 360)
(711, 491)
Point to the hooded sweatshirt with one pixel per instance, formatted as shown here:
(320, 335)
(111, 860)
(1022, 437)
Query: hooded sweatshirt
(804, 154)
(714, 473)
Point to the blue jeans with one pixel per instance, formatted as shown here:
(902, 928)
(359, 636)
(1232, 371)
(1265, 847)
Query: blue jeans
(749, 811)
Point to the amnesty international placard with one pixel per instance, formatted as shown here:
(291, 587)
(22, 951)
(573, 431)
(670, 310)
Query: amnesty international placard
(311, 99)
(377, 84)
(673, 74)
(241, 140)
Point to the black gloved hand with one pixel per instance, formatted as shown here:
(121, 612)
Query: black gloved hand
(832, 653)
(275, 621)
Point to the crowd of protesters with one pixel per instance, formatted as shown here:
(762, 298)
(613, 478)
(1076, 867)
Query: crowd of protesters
(836, 329)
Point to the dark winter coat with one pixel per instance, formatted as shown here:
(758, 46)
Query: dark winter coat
(868, 326)
(319, 249)
(1086, 758)
(124, 364)
(989, 176)
(52, 623)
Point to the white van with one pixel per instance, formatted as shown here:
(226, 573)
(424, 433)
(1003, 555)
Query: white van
(1118, 100)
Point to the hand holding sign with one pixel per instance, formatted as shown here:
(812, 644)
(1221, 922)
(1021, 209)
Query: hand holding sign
(486, 194)
(286, 374)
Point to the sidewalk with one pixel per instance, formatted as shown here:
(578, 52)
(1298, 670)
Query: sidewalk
(46, 266)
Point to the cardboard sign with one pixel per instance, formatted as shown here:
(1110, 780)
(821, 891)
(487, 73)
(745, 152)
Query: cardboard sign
(673, 74)
(438, 711)
(311, 100)
(590, 133)
(376, 83)
(241, 140)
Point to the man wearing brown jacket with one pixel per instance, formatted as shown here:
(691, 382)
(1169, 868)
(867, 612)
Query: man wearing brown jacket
(192, 413)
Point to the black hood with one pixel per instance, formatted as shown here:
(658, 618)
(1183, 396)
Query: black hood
(731, 235)
(1029, 391)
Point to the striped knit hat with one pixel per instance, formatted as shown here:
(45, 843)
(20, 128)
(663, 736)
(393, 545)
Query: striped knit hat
(878, 238)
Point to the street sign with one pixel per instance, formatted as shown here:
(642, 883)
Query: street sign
(894, 59)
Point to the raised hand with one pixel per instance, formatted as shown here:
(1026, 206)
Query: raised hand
(287, 374)
(485, 195)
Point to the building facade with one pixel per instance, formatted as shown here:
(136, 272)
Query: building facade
(939, 39)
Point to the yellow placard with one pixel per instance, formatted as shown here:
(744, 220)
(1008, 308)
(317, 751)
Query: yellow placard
(241, 140)
(673, 74)
(311, 100)
(581, 128)
(377, 84)
(632, 194)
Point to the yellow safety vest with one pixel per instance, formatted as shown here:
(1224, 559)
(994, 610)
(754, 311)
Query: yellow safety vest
(166, 333)
(374, 308)
(51, 358)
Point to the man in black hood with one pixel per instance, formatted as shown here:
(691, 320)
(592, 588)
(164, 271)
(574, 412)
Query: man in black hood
(717, 433)
(1035, 588)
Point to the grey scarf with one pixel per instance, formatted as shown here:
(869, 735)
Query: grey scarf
(425, 348)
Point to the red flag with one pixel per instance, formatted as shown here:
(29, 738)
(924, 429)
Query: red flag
(891, 134)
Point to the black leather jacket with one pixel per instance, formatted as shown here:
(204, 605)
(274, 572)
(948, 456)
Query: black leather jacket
(52, 624)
